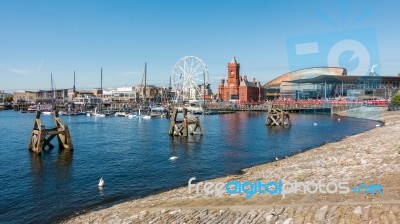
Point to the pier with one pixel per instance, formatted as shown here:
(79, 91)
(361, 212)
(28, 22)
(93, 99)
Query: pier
(299, 106)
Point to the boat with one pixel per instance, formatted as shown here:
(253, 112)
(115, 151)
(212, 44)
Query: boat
(98, 115)
(70, 113)
(158, 112)
(121, 114)
(132, 115)
(145, 104)
(147, 117)
(46, 112)
(32, 108)
(195, 107)
(195, 110)
(95, 114)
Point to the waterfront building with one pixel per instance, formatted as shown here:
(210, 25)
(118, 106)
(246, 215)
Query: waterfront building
(238, 88)
(59, 95)
(97, 92)
(87, 97)
(207, 92)
(108, 95)
(167, 94)
(150, 93)
(281, 87)
(196, 93)
(125, 94)
(22, 96)
(331, 82)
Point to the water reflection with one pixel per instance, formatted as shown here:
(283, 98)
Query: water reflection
(278, 130)
(187, 143)
(64, 163)
(36, 163)
(231, 129)
(45, 163)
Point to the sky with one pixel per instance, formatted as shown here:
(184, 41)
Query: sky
(42, 37)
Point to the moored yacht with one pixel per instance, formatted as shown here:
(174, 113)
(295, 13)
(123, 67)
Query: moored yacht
(121, 114)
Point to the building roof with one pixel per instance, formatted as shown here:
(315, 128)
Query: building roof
(233, 60)
(26, 91)
(306, 73)
(244, 82)
(348, 78)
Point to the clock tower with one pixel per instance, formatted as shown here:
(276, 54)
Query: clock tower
(233, 73)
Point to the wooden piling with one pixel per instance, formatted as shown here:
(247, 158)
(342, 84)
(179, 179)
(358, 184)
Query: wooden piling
(184, 127)
(173, 121)
(39, 133)
(277, 117)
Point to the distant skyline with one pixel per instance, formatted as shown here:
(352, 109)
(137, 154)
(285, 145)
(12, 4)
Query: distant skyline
(43, 37)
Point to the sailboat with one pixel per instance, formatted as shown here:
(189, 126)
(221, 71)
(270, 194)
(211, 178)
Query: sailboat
(95, 113)
(145, 104)
(48, 109)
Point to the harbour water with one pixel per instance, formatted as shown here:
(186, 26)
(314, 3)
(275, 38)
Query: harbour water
(132, 155)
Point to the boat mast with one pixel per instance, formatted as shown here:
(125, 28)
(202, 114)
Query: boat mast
(145, 77)
(204, 90)
(74, 83)
(101, 88)
(52, 90)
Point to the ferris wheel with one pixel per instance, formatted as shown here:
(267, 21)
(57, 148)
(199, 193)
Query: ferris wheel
(189, 74)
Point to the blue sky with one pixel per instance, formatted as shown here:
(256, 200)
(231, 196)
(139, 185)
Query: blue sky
(42, 37)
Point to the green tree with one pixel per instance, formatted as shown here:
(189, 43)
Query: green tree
(8, 99)
(396, 99)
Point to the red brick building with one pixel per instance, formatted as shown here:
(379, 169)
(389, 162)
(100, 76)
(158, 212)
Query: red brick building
(238, 88)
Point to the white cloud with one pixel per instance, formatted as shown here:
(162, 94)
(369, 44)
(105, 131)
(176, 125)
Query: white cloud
(19, 71)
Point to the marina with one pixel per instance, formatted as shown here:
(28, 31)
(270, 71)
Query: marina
(133, 157)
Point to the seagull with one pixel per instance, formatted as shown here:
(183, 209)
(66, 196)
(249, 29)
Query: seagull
(338, 119)
(315, 124)
(378, 125)
(276, 158)
(101, 182)
(173, 158)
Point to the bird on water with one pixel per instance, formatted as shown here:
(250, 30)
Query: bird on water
(173, 158)
(101, 182)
